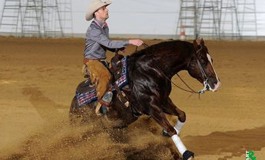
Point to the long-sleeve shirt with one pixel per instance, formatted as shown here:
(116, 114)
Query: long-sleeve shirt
(97, 41)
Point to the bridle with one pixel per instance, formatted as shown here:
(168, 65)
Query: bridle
(203, 73)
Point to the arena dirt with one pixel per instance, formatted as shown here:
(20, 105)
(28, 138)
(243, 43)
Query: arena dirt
(38, 78)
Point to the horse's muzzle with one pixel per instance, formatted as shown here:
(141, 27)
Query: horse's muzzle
(216, 86)
(207, 87)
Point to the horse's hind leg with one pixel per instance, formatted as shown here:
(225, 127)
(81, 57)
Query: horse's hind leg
(161, 119)
(172, 109)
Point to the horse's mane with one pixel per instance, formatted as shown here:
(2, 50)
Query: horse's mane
(156, 48)
(162, 55)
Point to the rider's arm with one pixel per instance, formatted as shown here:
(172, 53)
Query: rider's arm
(100, 37)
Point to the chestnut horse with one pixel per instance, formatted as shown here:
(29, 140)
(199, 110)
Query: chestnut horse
(150, 71)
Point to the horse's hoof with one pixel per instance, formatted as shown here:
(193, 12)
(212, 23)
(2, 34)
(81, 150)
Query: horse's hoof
(188, 155)
(164, 133)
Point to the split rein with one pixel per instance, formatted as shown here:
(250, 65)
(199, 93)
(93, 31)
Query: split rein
(190, 89)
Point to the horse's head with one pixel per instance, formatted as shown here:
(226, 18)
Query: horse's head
(201, 67)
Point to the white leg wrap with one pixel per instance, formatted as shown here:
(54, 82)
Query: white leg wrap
(179, 144)
(178, 126)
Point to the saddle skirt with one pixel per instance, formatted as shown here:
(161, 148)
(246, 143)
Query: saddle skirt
(121, 74)
(86, 92)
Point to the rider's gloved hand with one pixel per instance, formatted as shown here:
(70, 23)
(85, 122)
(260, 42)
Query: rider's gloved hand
(136, 42)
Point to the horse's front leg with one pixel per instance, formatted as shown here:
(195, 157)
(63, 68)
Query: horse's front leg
(170, 108)
(161, 119)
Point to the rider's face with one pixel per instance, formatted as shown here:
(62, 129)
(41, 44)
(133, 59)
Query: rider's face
(102, 13)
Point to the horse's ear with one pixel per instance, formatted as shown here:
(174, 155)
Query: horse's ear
(199, 42)
(202, 42)
(195, 44)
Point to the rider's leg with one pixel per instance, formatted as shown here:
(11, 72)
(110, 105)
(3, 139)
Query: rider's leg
(99, 74)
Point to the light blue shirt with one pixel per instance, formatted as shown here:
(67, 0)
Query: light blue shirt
(97, 41)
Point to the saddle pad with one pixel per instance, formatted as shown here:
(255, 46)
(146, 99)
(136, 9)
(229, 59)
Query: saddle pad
(86, 97)
(123, 79)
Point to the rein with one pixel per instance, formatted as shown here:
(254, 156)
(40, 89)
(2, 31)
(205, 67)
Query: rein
(190, 89)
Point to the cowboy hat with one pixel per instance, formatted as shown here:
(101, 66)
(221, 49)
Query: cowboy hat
(94, 6)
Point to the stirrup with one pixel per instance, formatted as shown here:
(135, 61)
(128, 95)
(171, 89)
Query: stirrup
(103, 110)
(187, 155)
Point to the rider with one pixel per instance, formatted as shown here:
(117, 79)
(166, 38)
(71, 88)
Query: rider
(96, 43)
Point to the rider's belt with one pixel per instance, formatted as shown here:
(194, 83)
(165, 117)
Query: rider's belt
(104, 62)
(87, 60)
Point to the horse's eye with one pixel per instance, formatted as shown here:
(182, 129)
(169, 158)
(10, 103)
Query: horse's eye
(203, 62)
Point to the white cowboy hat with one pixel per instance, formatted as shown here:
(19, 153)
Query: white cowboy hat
(95, 5)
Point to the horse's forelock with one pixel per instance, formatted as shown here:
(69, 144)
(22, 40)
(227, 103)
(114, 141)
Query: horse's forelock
(198, 43)
(201, 42)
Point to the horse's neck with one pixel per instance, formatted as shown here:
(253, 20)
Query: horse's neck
(169, 57)
(168, 65)
(171, 65)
